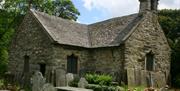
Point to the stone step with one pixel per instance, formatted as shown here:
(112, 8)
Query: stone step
(72, 89)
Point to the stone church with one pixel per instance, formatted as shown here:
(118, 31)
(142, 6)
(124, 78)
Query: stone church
(133, 48)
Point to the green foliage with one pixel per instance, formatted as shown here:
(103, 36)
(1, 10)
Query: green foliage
(99, 79)
(74, 83)
(1, 83)
(12, 12)
(177, 81)
(60, 8)
(4, 85)
(6, 32)
(170, 22)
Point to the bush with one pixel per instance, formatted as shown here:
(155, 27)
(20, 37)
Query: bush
(99, 79)
(74, 83)
(1, 83)
(177, 80)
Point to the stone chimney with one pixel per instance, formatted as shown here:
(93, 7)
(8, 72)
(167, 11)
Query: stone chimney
(148, 5)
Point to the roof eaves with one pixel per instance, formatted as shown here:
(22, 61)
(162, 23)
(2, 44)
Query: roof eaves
(127, 31)
(137, 22)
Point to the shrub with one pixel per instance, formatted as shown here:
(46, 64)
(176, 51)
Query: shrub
(177, 80)
(99, 79)
(1, 83)
(74, 83)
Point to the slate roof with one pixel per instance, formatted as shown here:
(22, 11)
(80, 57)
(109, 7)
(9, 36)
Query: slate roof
(102, 34)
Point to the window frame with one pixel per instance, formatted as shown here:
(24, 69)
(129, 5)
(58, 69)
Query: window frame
(71, 66)
(153, 60)
(26, 66)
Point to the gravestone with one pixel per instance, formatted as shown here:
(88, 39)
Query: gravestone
(37, 81)
(82, 83)
(50, 76)
(130, 77)
(159, 79)
(144, 78)
(69, 78)
(48, 87)
(60, 77)
(137, 74)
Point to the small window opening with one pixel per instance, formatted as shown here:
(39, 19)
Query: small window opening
(26, 64)
(42, 68)
(150, 62)
(72, 64)
(154, 4)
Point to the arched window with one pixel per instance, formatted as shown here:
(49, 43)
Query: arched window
(154, 4)
(150, 62)
(72, 64)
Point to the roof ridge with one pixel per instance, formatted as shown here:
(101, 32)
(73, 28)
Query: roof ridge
(100, 34)
(43, 13)
(110, 19)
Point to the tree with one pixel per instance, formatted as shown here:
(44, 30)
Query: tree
(13, 11)
(60, 8)
(6, 32)
(170, 22)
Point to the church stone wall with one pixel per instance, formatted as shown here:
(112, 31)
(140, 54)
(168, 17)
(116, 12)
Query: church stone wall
(30, 40)
(61, 52)
(148, 37)
(99, 60)
(109, 61)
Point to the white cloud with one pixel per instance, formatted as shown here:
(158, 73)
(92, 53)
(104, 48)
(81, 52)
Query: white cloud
(169, 4)
(78, 21)
(115, 8)
(112, 8)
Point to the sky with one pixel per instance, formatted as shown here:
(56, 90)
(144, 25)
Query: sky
(98, 10)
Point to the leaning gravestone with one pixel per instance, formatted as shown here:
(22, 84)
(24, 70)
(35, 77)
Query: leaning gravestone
(69, 78)
(82, 83)
(60, 77)
(48, 87)
(37, 81)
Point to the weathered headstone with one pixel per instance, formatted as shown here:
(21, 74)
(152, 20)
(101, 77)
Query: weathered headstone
(137, 74)
(144, 78)
(69, 78)
(60, 77)
(37, 81)
(130, 76)
(82, 83)
(159, 79)
(50, 77)
(48, 87)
